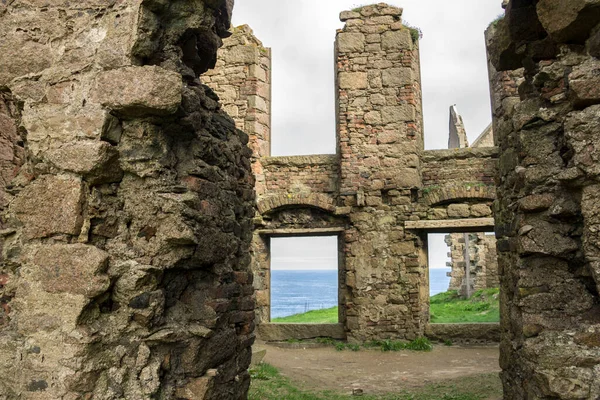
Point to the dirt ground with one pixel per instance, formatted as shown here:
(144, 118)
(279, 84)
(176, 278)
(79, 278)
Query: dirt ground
(378, 372)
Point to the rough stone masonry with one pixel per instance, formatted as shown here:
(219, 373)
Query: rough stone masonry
(379, 181)
(127, 201)
(547, 123)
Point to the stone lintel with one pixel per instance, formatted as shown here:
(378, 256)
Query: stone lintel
(460, 154)
(301, 232)
(301, 161)
(276, 332)
(452, 225)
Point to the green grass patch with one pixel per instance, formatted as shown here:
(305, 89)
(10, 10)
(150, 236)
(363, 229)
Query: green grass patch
(449, 307)
(324, 316)
(268, 384)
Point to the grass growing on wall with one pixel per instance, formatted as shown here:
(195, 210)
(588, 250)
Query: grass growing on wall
(324, 316)
(268, 384)
(449, 307)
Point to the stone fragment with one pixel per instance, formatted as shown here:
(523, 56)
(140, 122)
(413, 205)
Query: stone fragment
(396, 40)
(50, 205)
(52, 125)
(396, 77)
(582, 131)
(70, 268)
(401, 113)
(536, 202)
(584, 82)
(242, 55)
(137, 91)
(353, 80)
(481, 210)
(458, 211)
(346, 15)
(568, 21)
(22, 57)
(351, 42)
(373, 118)
(98, 162)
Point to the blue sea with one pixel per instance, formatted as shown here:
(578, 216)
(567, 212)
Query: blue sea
(295, 292)
(438, 281)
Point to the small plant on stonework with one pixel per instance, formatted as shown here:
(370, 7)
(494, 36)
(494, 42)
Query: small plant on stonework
(339, 346)
(447, 342)
(498, 19)
(415, 32)
(353, 347)
(420, 344)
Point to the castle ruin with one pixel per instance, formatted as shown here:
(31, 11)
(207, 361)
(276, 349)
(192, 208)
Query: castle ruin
(137, 214)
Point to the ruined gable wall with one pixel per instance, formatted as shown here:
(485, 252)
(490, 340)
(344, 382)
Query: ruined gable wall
(125, 263)
(547, 206)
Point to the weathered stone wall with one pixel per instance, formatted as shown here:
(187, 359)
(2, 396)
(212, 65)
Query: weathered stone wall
(373, 185)
(547, 208)
(380, 141)
(125, 263)
(242, 80)
(483, 264)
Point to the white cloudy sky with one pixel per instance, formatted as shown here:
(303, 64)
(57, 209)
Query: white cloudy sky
(301, 35)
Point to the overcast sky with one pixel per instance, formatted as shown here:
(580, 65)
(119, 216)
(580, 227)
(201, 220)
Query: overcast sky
(301, 34)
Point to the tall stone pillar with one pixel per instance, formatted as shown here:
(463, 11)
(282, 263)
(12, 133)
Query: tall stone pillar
(379, 128)
(547, 208)
(126, 232)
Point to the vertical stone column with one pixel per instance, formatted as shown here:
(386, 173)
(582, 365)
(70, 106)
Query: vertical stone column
(380, 139)
(125, 260)
(242, 80)
(547, 208)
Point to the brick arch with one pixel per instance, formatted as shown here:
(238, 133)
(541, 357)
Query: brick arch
(454, 193)
(317, 200)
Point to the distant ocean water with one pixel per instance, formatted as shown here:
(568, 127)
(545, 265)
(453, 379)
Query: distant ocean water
(438, 281)
(295, 292)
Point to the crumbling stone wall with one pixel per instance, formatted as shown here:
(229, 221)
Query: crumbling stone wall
(483, 263)
(547, 207)
(379, 180)
(125, 261)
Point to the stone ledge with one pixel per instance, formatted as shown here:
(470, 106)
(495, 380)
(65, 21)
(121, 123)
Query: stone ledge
(301, 232)
(301, 161)
(489, 332)
(452, 225)
(460, 154)
(274, 332)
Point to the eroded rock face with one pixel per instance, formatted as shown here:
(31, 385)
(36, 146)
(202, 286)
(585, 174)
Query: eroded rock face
(126, 233)
(547, 208)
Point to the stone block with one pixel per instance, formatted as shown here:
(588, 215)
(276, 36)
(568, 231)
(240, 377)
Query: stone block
(346, 15)
(21, 57)
(373, 118)
(51, 125)
(138, 91)
(458, 211)
(568, 21)
(480, 210)
(98, 162)
(395, 77)
(353, 80)
(242, 55)
(50, 205)
(350, 42)
(396, 40)
(70, 268)
(584, 82)
(401, 113)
